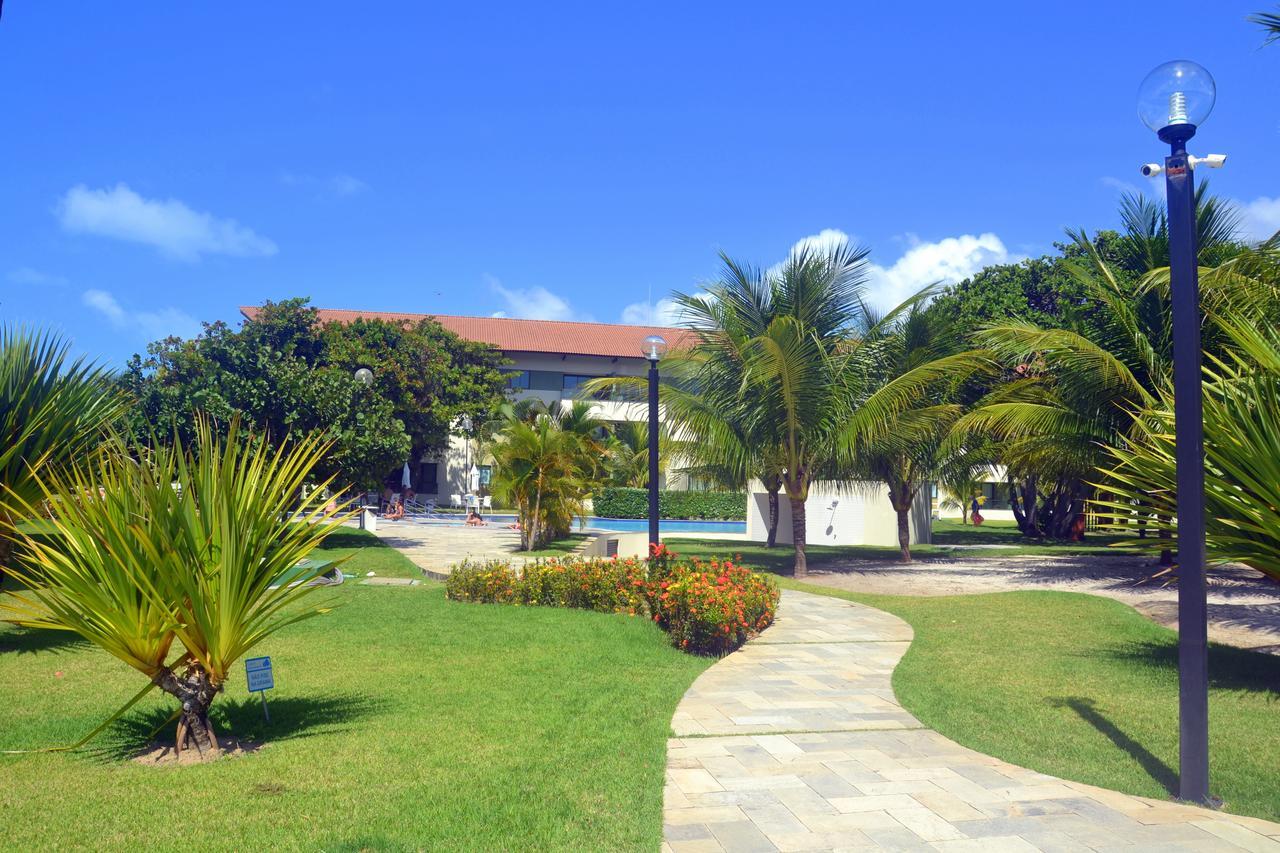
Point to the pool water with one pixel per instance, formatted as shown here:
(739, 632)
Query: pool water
(640, 525)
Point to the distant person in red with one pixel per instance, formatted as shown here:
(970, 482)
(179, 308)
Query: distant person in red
(973, 512)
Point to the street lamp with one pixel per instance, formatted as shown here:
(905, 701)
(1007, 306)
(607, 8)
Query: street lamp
(364, 376)
(1174, 100)
(653, 349)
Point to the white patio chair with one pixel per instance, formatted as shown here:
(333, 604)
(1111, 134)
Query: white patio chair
(487, 502)
(455, 501)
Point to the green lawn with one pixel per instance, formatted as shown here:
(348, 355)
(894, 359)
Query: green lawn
(559, 547)
(400, 721)
(1084, 688)
(1001, 538)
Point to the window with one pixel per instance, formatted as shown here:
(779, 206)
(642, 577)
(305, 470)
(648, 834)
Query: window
(518, 379)
(572, 382)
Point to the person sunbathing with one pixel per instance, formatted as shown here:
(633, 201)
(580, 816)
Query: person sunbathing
(474, 519)
(394, 511)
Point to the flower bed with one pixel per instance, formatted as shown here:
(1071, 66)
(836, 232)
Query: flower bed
(707, 607)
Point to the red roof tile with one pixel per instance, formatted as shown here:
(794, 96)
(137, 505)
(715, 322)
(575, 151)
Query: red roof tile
(511, 335)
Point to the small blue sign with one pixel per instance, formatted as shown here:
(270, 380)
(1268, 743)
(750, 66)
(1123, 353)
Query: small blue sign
(258, 672)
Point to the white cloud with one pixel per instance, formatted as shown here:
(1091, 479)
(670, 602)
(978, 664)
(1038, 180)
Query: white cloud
(340, 185)
(165, 224)
(948, 260)
(533, 303)
(35, 278)
(664, 312)
(151, 325)
(1260, 218)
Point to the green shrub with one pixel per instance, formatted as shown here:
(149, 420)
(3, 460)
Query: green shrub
(707, 608)
(634, 503)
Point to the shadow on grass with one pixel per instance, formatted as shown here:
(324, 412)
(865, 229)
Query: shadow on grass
(35, 640)
(291, 718)
(1161, 773)
(1230, 668)
(350, 539)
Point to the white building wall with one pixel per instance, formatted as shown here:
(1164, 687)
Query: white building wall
(858, 515)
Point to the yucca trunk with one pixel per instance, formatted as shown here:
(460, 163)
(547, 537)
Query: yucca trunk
(196, 691)
(6, 551)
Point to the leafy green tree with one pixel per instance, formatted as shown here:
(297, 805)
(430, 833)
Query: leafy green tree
(287, 376)
(52, 411)
(145, 568)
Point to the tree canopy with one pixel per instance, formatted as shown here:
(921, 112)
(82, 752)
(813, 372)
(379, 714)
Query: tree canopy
(285, 375)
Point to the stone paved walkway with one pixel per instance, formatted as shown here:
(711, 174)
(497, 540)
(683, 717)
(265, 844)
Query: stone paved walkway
(796, 742)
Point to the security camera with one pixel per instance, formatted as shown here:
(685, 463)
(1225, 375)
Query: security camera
(1213, 161)
(1150, 170)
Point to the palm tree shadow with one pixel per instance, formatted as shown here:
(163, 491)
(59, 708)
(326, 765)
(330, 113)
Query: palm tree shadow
(1161, 773)
(292, 717)
(1230, 668)
(35, 640)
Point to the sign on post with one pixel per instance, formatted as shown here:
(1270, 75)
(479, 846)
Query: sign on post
(258, 673)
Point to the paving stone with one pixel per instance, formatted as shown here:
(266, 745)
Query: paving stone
(809, 750)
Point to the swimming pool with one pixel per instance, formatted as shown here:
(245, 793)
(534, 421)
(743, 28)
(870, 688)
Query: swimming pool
(640, 525)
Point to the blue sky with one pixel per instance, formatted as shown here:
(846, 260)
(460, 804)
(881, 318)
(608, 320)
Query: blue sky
(164, 163)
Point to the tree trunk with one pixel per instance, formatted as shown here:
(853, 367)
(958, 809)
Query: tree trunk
(904, 534)
(194, 690)
(964, 512)
(771, 537)
(900, 496)
(798, 536)
(1017, 504)
(1031, 505)
(6, 554)
(1166, 554)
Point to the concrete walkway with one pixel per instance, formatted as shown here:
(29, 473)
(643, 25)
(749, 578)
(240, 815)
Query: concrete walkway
(796, 742)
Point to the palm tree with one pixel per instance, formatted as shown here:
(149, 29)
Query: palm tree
(779, 362)
(52, 411)
(626, 450)
(909, 451)
(138, 566)
(1070, 390)
(540, 470)
(1270, 23)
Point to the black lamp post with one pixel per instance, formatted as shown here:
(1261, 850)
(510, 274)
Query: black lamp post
(654, 348)
(1173, 100)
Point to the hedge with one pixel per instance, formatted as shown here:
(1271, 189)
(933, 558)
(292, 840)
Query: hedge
(634, 503)
(710, 607)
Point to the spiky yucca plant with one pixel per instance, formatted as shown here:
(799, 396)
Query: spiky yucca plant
(171, 563)
(1242, 453)
(51, 410)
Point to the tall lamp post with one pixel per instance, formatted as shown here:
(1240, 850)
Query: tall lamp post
(654, 348)
(1174, 100)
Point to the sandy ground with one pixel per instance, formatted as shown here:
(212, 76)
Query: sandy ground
(1244, 606)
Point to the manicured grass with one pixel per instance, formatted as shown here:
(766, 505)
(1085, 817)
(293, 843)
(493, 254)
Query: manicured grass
(1084, 688)
(950, 531)
(400, 721)
(558, 547)
(780, 558)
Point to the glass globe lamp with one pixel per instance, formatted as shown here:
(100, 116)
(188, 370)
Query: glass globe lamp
(654, 347)
(1176, 97)
(364, 376)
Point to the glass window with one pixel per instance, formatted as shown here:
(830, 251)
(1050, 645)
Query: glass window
(518, 379)
(572, 382)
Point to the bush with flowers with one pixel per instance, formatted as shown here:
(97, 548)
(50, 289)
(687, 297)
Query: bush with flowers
(709, 607)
